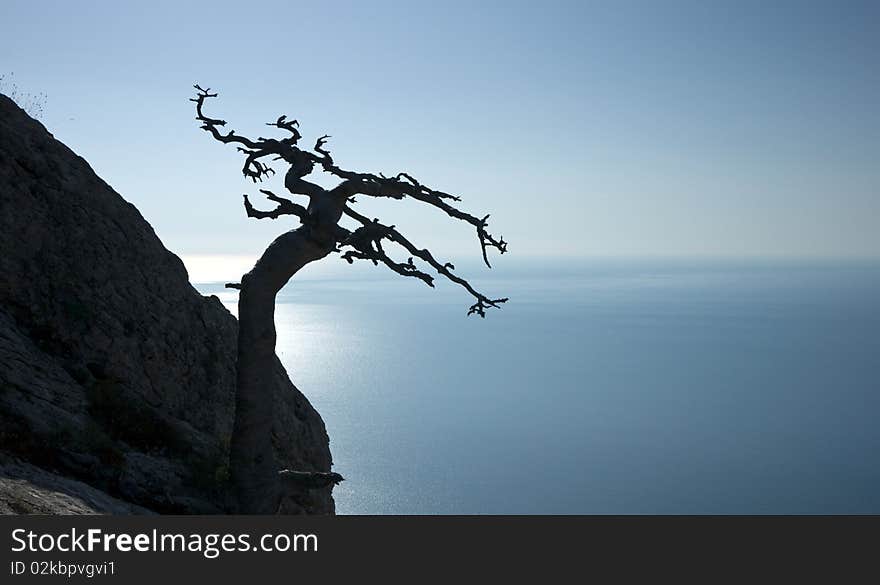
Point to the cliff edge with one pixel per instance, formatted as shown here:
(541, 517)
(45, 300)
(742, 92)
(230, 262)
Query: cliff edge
(117, 377)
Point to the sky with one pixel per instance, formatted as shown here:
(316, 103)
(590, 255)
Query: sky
(585, 128)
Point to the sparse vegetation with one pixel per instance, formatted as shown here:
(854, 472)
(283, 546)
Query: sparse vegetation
(32, 103)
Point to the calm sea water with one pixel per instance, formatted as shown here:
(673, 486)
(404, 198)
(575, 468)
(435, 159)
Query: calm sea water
(608, 387)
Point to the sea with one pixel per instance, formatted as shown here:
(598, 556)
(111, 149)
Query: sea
(604, 386)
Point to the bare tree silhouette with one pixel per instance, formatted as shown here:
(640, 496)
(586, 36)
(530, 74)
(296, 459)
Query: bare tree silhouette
(258, 484)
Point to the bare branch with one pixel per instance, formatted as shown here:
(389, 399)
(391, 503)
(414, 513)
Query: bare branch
(253, 168)
(289, 125)
(201, 95)
(211, 124)
(367, 244)
(254, 149)
(374, 232)
(319, 147)
(425, 189)
(285, 207)
(401, 186)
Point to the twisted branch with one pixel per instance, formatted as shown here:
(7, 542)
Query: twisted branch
(365, 242)
(290, 126)
(285, 207)
(211, 124)
(401, 186)
(254, 149)
(375, 232)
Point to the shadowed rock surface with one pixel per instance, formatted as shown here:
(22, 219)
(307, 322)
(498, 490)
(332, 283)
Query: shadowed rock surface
(26, 489)
(114, 371)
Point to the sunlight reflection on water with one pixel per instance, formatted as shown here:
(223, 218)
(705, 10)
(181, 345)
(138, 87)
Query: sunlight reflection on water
(745, 389)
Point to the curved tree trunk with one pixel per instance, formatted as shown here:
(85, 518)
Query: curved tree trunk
(257, 481)
(253, 467)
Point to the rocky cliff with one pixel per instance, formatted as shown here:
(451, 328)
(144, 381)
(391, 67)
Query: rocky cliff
(116, 376)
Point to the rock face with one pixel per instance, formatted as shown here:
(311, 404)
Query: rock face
(114, 371)
(26, 489)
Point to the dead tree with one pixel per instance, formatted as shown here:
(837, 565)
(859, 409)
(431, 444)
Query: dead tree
(256, 480)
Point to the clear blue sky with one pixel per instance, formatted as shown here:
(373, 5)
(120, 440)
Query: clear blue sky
(612, 128)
